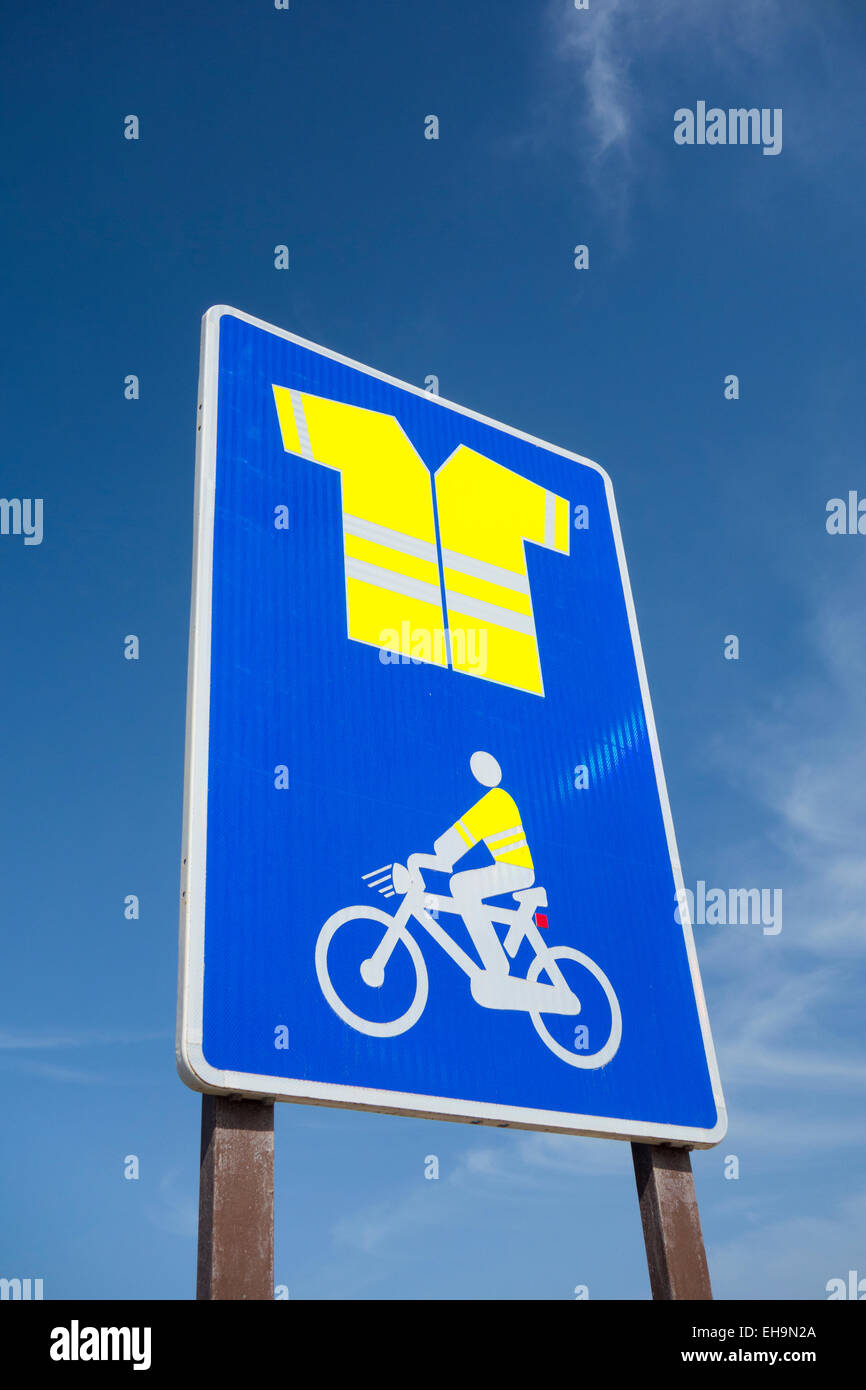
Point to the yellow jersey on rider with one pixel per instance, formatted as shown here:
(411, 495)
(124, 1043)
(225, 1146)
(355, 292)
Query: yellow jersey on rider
(495, 819)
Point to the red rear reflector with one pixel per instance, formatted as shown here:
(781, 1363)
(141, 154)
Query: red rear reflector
(541, 920)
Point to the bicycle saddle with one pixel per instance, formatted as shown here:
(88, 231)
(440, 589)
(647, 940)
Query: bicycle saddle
(536, 895)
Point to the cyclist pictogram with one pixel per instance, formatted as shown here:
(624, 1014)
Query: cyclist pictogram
(543, 993)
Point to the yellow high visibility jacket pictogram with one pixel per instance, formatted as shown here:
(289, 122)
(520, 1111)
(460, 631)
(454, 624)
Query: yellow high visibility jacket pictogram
(393, 589)
(495, 819)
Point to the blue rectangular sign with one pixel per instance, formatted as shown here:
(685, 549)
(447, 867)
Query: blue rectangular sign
(429, 864)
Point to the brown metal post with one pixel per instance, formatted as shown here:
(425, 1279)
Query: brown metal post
(671, 1222)
(236, 1199)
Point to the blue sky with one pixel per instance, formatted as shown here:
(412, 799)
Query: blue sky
(452, 257)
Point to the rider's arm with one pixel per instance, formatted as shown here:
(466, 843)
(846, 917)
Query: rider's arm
(447, 850)
(450, 847)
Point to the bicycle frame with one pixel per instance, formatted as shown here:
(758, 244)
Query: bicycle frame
(414, 905)
(491, 986)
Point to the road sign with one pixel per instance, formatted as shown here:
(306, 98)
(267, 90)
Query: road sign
(429, 863)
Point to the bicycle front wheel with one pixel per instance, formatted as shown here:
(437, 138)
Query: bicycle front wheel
(349, 917)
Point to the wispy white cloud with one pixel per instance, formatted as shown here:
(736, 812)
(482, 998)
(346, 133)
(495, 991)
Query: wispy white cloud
(793, 1257)
(594, 99)
(785, 1009)
(772, 1023)
(20, 1040)
(507, 1170)
(761, 1129)
(536, 1160)
(76, 1076)
(24, 1050)
(804, 761)
(394, 1221)
(594, 47)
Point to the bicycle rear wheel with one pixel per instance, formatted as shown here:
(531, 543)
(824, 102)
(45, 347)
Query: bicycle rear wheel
(588, 1060)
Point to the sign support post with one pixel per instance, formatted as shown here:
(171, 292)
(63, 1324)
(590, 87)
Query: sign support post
(236, 1199)
(671, 1222)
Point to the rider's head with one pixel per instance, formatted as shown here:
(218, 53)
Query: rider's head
(485, 769)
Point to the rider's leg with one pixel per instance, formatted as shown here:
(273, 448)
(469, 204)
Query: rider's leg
(469, 888)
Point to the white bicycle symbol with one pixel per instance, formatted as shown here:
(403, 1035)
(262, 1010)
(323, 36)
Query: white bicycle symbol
(491, 990)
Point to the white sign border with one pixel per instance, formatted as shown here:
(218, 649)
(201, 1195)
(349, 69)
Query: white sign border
(194, 1070)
